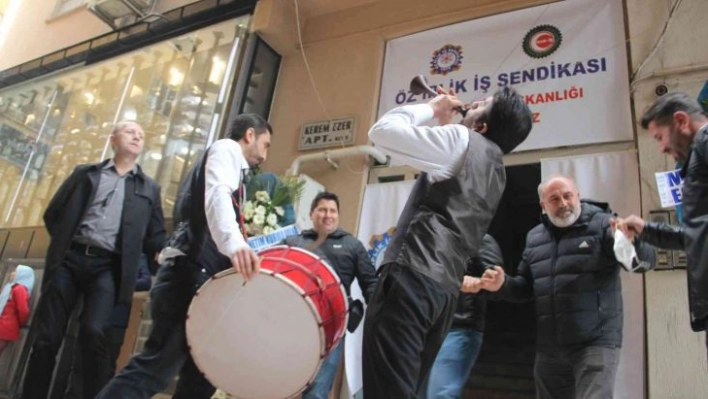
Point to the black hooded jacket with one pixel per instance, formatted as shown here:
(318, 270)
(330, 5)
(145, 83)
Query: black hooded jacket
(472, 308)
(345, 253)
(573, 276)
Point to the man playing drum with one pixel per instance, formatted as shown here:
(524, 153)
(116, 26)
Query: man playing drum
(446, 216)
(349, 258)
(208, 238)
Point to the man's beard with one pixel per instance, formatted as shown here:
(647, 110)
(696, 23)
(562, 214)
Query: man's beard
(570, 215)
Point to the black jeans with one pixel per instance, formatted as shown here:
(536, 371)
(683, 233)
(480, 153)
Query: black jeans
(115, 336)
(165, 354)
(78, 274)
(407, 319)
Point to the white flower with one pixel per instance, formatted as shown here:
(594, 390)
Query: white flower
(260, 210)
(268, 230)
(248, 213)
(277, 226)
(272, 219)
(248, 206)
(262, 196)
(279, 210)
(258, 219)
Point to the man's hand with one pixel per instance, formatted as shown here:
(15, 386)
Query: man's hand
(246, 262)
(493, 279)
(471, 285)
(444, 106)
(630, 226)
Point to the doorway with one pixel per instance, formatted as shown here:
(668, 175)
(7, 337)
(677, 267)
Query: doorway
(504, 368)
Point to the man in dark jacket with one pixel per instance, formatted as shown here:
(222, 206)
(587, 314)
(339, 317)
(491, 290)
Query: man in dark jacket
(463, 342)
(348, 257)
(679, 125)
(100, 220)
(569, 267)
(115, 336)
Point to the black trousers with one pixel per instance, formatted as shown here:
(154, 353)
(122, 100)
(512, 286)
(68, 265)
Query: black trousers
(115, 337)
(407, 319)
(94, 278)
(165, 354)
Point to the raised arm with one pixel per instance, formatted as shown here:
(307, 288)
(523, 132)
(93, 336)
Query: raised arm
(438, 150)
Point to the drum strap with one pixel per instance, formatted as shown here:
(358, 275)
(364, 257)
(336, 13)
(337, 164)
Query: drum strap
(238, 198)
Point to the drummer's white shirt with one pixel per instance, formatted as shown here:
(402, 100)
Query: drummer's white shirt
(438, 150)
(224, 168)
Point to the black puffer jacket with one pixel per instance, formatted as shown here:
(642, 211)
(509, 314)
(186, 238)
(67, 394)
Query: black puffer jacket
(692, 236)
(345, 254)
(573, 275)
(472, 308)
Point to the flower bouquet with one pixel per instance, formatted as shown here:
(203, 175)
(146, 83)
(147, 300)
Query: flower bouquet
(261, 215)
(268, 211)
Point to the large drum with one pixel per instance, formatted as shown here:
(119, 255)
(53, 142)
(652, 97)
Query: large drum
(266, 339)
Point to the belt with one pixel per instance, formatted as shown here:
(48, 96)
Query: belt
(92, 250)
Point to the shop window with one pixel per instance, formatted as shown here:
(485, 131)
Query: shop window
(174, 89)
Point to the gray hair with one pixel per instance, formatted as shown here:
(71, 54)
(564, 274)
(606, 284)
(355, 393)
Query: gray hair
(122, 124)
(554, 176)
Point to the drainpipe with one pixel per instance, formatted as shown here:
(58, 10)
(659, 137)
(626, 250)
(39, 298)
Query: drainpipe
(331, 155)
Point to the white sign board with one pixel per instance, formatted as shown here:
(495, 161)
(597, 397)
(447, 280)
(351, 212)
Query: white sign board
(332, 133)
(669, 185)
(568, 59)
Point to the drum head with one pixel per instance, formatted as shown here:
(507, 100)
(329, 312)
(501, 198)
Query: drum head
(260, 340)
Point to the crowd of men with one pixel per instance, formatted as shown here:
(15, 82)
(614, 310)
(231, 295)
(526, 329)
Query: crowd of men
(426, 303)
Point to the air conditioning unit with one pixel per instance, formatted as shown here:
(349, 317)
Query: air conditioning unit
(111, 10)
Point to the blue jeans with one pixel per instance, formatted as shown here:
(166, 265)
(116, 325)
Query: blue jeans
(453, 364)
(322, 384)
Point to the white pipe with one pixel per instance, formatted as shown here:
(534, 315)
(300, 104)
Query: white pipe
(328, 155)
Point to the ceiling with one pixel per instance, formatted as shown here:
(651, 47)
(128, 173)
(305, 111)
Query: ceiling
(315, 8)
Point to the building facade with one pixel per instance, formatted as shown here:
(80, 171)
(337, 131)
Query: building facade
(67, 77)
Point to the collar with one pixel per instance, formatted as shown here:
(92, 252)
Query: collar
(244, 161)
(112, 163)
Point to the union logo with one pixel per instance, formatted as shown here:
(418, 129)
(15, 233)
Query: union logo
(378, 244)
(542, 41)
(447, 59)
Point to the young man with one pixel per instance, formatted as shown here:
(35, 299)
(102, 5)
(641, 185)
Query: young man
(569, 268)
(680, 126)
(208, 239)
(100, 220)
(444, 220)
(349, 259)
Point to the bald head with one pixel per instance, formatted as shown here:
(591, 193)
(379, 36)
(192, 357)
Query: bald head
(560, 200)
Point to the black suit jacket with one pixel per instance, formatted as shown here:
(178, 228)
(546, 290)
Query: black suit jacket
(142, 226)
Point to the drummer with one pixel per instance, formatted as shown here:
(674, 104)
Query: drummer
(349, 258)
(208, 238)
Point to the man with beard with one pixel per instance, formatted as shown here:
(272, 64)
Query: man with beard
(570, 269)
(446, 215)
(209, 237)
(680, 126)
